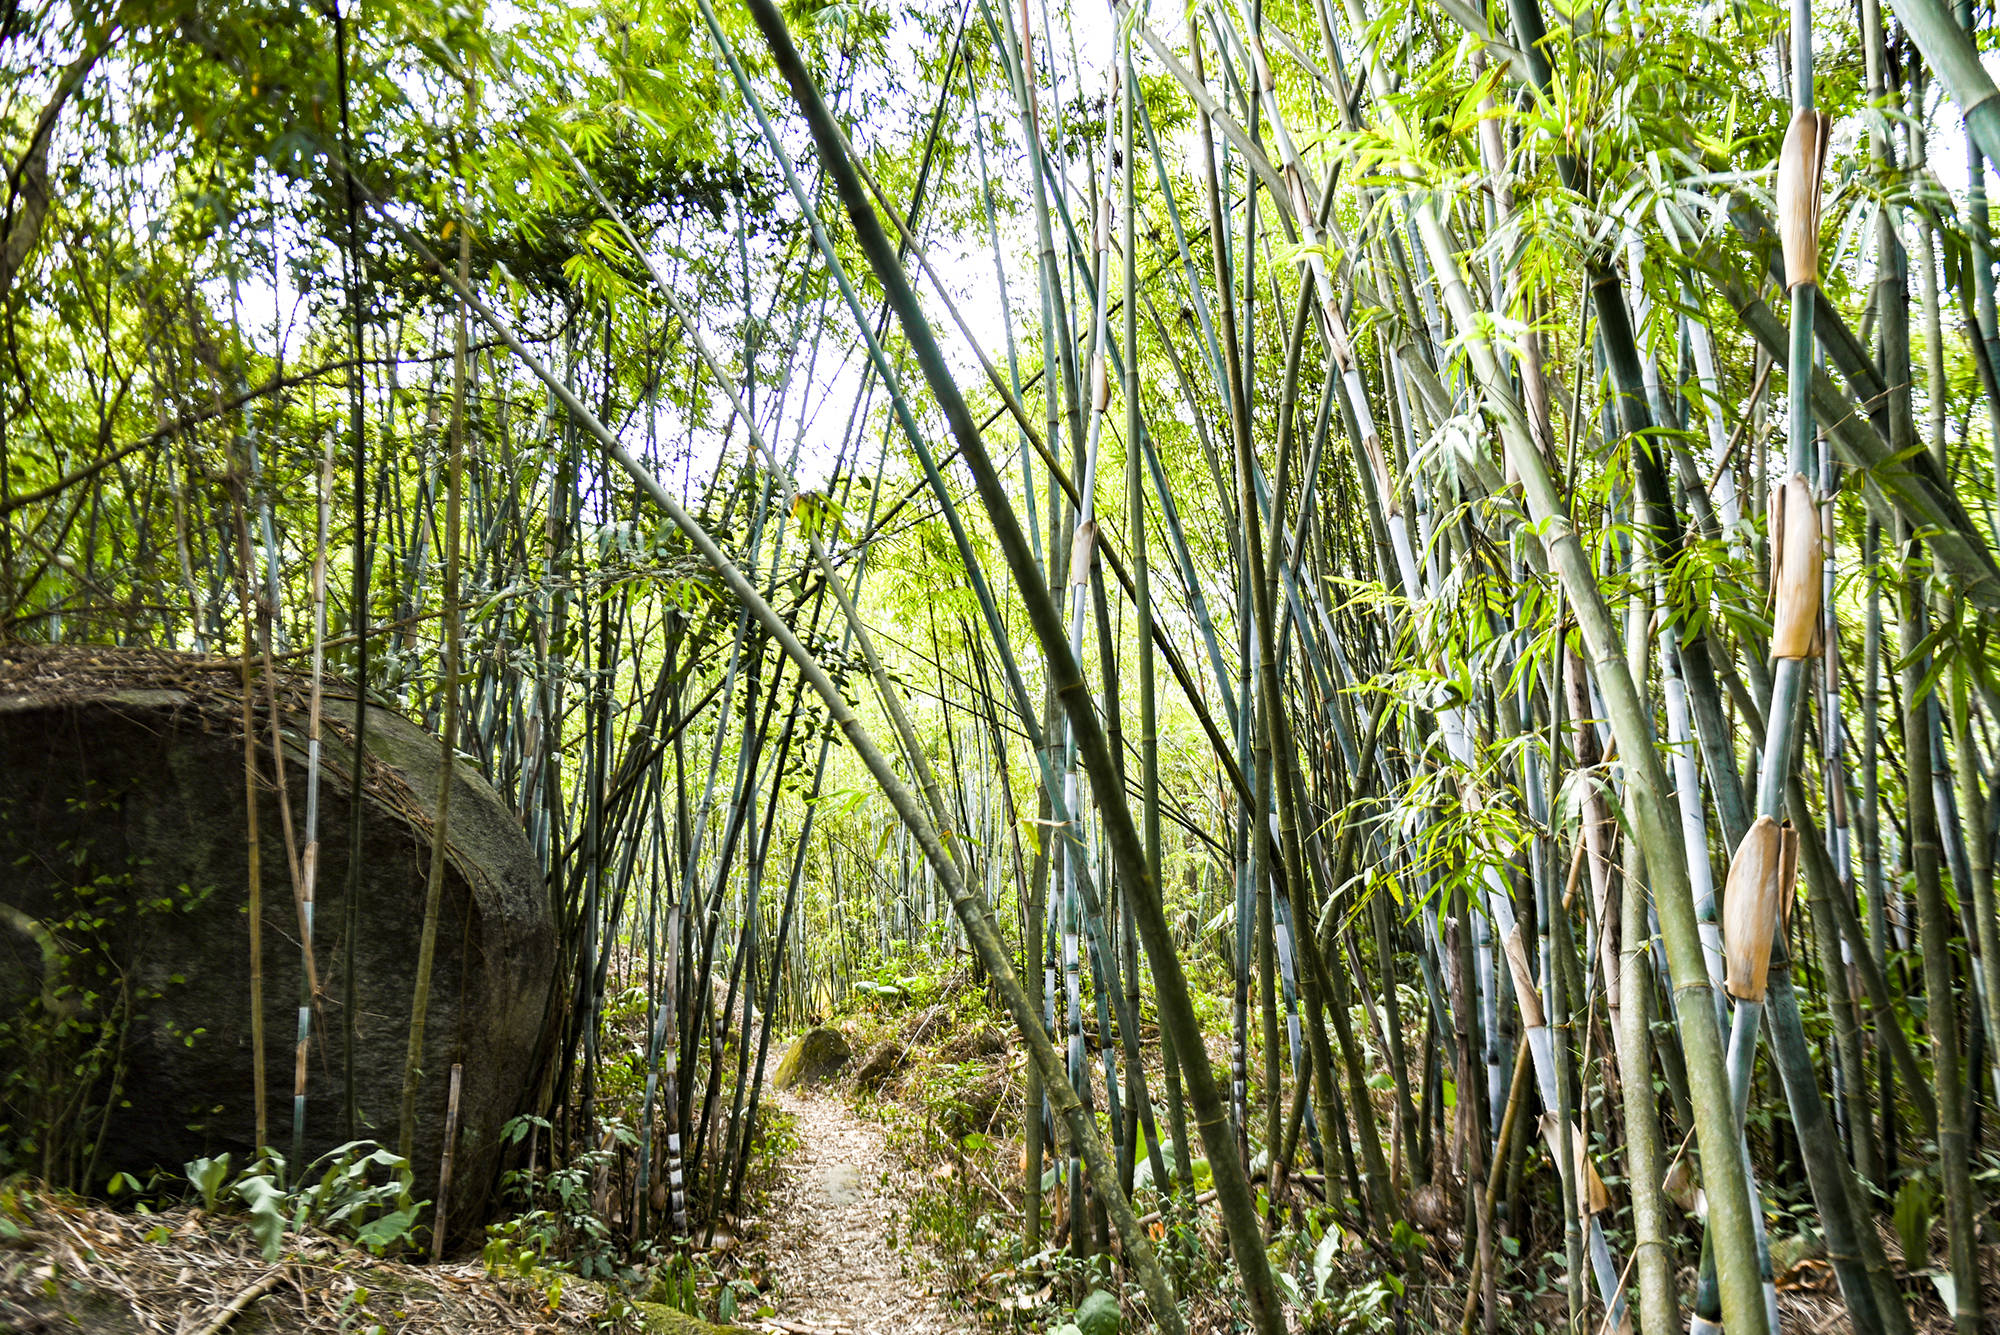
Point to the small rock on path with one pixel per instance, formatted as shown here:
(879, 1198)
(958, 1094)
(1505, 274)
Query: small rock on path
(828, 1225)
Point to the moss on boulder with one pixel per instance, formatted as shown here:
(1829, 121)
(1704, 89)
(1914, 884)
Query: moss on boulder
(814, 1058)
(659, 1319)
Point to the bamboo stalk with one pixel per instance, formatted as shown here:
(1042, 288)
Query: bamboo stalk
(1934, 925)
(253, 845)
(309, 860)
(444, 1164)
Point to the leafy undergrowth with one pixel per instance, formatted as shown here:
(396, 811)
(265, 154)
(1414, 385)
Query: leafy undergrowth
(577, 1217)
(342, 1253)
(936, 1060)
(573, 1217)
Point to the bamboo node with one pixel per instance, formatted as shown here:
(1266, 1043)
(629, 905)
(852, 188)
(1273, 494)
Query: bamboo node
(1080, 551)
(1592, 1196)
(1788, 874)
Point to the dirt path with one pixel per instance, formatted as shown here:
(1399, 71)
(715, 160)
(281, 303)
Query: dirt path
(828, 1226)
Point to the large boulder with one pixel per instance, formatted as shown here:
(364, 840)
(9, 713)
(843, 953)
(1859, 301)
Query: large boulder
(124, 861)
(814, 1058)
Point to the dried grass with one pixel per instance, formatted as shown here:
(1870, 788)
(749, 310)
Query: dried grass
(74, 1266)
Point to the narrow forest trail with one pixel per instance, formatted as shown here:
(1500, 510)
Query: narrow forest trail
(828, 1229)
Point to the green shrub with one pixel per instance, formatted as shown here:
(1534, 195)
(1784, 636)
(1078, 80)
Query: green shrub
(358, 1191)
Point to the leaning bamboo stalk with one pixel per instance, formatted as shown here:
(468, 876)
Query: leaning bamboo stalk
(1441, 262)
(1265, 565)
(1083, 880)
(1949, 50)
(886, 691)
(1650, 799)
(1092, 915)
(1138, 1250)
(1339, 342)
(1648, 790)
(1250, 841)
(1082, 558)
(1065, 678)
(1142, 601)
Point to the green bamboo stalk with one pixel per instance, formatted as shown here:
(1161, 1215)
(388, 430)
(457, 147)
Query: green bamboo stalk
(1973, 805)
(1142, 598)
(1655, 817)
(1648, 794)
(1950, 51)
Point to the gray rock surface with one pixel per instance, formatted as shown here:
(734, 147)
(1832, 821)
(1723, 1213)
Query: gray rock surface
(124, 770)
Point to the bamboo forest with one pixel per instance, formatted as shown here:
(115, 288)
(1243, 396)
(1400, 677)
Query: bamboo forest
(848, 666)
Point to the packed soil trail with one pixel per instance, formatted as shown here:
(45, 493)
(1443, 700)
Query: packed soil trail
(828, 1231)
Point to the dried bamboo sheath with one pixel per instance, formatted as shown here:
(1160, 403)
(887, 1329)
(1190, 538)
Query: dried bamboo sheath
(1756, 905)
(1797, 564)
(1799, 168)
